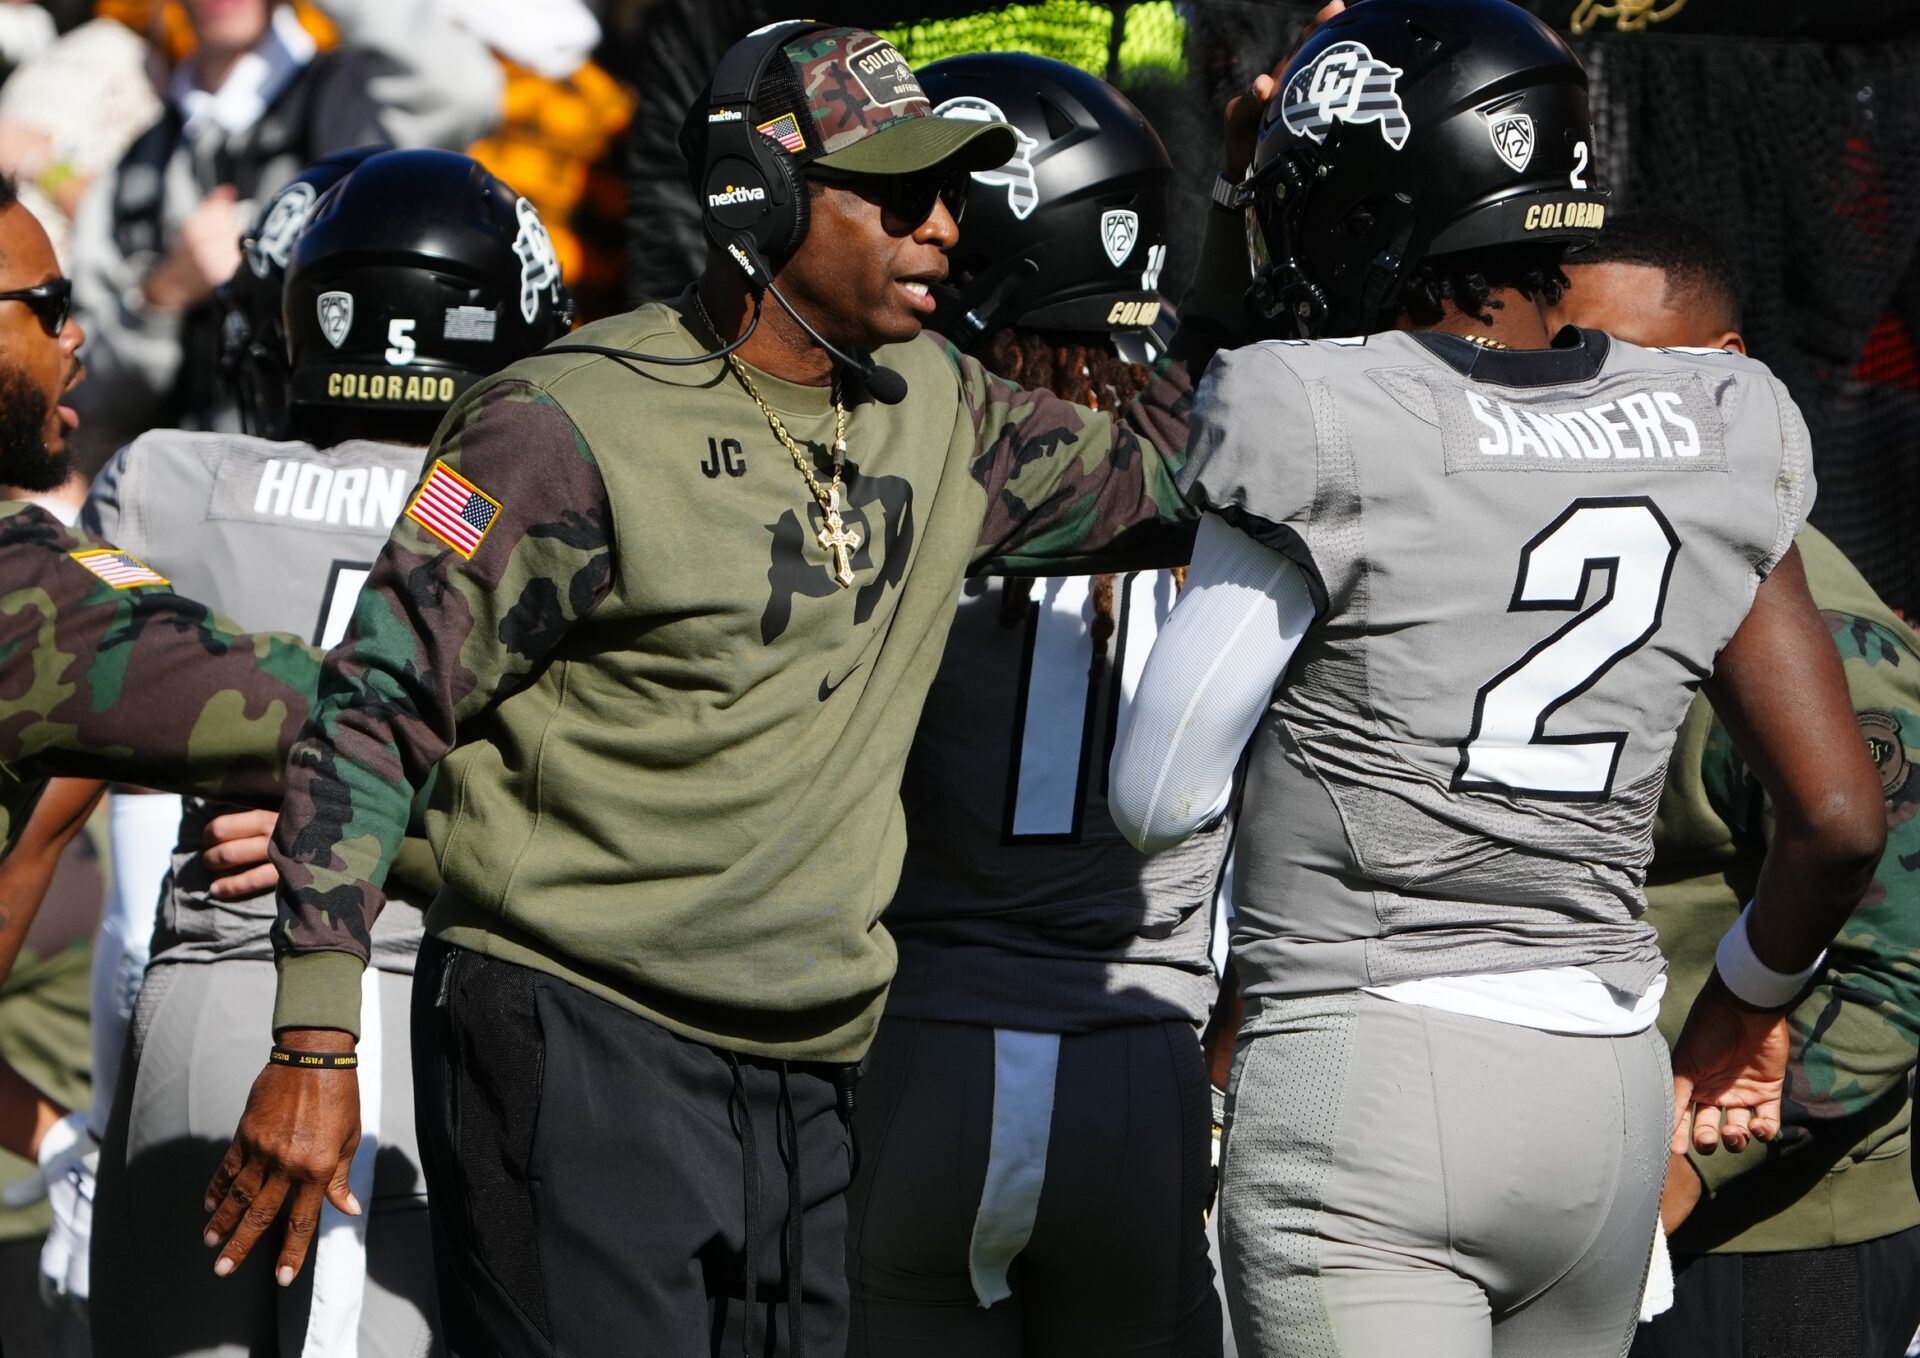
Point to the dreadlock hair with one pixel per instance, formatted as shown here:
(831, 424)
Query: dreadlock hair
(1067, 365)
(1692, 259)
(1085, 373)
(1470, 279)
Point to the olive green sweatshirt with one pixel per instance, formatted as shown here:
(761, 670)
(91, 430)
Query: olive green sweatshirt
(673, 743)
(1839, 1174)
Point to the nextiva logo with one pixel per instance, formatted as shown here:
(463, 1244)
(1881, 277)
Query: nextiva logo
(724, 115)
(729, 196)
(740, 258)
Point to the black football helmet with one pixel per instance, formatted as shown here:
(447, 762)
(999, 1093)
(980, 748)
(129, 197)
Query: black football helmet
(253, 342)
(1408, 129)
(417, 275)
(1071, 233)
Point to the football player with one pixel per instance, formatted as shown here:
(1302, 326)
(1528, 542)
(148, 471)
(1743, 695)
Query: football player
(1817, 1242)
(1458, 578)
(398, 275)
(1040, 1046)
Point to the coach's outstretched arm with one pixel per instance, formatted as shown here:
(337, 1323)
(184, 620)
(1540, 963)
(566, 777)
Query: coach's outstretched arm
(466, 602)
(114, 676)
(1779, 689)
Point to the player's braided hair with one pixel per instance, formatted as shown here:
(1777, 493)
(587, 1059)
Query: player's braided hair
(1088, 374)
(1469, 281)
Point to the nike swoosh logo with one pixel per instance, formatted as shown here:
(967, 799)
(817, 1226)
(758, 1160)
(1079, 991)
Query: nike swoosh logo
(828, 690)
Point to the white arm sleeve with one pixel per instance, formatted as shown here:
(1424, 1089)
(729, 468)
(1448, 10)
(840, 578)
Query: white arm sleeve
(1207, 682)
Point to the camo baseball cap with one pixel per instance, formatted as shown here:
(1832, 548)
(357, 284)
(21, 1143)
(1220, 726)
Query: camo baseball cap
(859, 109)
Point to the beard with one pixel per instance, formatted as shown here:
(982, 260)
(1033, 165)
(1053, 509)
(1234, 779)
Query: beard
(25, 463)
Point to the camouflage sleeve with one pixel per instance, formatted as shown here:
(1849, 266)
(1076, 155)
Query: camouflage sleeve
(1072, 490)
(1857, 1031)
(106, 673)
(504, 546)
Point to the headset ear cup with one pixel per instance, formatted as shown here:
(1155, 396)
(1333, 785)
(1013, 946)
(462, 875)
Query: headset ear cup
(785, 224)
(802, 206)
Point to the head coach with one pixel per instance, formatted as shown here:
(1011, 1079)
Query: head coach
(665, 609)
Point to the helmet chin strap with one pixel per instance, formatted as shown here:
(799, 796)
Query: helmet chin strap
(980, 315)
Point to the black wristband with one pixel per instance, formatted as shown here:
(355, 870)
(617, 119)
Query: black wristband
(285, 1056)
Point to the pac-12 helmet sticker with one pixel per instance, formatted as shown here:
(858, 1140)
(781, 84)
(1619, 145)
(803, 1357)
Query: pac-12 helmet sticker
(1016, 176)
(1345, 84)
(335, 312)
(1119, 229)
(1513, 139)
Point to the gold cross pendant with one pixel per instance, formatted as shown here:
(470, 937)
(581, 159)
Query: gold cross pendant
(836, 538)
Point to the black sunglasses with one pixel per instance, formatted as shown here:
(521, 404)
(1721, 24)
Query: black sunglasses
(908, 197)
(51, 302)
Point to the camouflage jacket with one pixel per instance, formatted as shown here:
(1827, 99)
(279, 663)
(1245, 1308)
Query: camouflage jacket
(1840, 1172)
(610, 608)
(106, 673)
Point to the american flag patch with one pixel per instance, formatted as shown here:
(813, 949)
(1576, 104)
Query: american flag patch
(453, 509)
(786, 130)
(118, 569)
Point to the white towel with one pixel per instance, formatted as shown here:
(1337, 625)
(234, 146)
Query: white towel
(1658, 1295)
(340, 1249)
(1024, 1065)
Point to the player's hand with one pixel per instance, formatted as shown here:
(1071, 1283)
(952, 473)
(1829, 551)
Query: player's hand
(293, 1150)
(204, 255)
(1243, 111)
(1729, 1073)
(236, 854)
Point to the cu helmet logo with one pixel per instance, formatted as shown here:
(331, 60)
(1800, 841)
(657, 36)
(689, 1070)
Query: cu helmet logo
(1345, 84)
(1016, 176)
(286, 217)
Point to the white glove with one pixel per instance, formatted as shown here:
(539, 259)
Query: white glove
(69, 1160)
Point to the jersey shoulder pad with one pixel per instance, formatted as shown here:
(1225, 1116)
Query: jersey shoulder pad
(1251, 447)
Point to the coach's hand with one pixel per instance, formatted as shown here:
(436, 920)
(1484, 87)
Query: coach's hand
(293, 1149)
(1243, 111)
(1729, 1072)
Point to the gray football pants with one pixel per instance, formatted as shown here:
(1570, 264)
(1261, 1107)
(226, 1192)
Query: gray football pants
(1399, 1180)
(200, 1035)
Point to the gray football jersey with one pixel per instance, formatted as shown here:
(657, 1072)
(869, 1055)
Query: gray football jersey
(1020, 905)
(279, 537)
(1524, 562)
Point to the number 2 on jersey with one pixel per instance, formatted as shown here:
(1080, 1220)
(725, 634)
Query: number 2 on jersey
(1629, 543)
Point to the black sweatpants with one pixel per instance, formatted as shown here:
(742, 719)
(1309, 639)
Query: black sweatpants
(599, 1186)
(1851, 1301)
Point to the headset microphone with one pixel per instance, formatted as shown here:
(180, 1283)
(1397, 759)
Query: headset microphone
(883, 384)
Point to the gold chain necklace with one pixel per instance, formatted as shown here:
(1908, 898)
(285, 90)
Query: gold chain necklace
(834, 537)
(1483, 341)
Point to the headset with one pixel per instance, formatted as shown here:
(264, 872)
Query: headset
(754, 204)
(754, 196)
